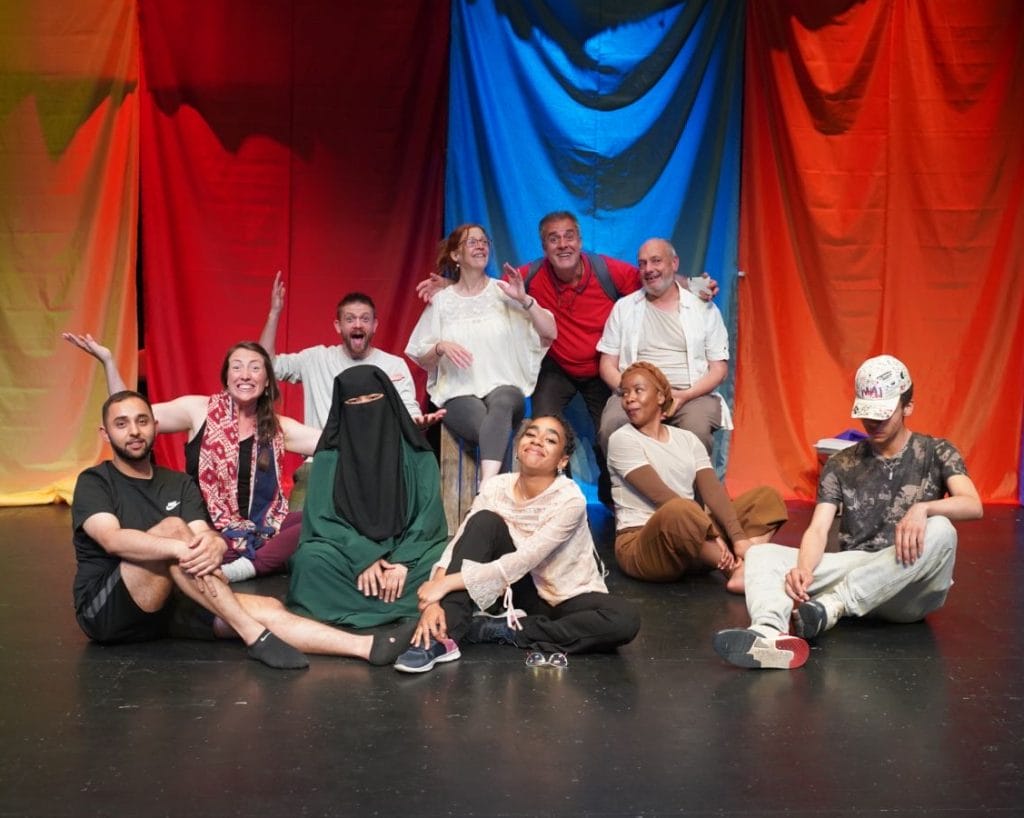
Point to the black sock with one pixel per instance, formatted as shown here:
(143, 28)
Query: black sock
(275, 653)
(387, 647)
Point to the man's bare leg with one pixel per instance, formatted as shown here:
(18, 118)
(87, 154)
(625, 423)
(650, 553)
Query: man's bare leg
(263, 622)
(315, 637)
(150, 584)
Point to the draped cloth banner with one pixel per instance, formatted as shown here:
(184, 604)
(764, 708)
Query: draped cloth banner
(284, 135)
(68, 206)
(626, 114)
(881, 212)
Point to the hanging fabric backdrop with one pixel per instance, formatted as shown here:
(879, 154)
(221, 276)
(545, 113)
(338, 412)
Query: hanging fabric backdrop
(628, 115)
(284, 136)
(68, 207)
(882, 212)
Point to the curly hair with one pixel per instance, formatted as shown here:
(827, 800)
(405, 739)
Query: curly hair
(656, 376)
(568, 436)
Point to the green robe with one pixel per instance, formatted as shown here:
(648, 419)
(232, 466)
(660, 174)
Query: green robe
(332, 554)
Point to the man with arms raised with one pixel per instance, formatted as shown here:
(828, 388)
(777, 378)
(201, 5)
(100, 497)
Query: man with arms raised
(317, 367)
(898, 491)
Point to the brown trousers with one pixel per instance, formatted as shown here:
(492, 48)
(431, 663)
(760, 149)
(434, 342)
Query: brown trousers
(668, 544)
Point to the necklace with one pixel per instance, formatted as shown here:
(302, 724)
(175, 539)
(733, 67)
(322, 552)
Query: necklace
(890, 464)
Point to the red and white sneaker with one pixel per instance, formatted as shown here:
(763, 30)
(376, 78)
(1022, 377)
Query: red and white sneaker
(746, 647)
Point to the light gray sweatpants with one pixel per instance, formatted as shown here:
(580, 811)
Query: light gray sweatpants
(867, 582)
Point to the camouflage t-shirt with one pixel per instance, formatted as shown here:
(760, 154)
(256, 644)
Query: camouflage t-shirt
(874, 493)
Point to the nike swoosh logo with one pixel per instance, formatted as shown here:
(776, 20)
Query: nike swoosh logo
(173, 505)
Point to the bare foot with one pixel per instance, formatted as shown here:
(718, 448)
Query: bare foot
(734, 579)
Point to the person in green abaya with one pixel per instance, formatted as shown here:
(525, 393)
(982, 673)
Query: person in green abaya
(373, 525)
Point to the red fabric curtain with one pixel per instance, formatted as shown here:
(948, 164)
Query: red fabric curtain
(881, 211)
(305, 137)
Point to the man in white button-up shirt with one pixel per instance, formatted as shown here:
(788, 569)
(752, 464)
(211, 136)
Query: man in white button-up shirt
(670, 327)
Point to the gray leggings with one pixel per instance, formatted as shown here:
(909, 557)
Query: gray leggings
(486, 421)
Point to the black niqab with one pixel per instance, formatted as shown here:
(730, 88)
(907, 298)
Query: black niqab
(369, 483)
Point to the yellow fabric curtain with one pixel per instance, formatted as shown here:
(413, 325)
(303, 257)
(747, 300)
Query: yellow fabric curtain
(69, 132)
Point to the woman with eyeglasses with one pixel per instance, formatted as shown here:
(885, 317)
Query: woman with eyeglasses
(481, 342)
(657, 470)
(524, 544)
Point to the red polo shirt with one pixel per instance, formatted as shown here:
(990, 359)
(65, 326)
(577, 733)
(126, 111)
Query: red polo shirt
(580, 311)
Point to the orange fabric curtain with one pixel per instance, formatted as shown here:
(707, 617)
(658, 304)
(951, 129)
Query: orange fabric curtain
(68, 202)
(881, 211)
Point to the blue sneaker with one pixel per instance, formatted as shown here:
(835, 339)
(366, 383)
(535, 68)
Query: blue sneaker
(487, 629)
(420, 660)
(813, 618)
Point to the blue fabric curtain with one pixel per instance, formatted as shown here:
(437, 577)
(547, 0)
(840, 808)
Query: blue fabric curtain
(627, 114)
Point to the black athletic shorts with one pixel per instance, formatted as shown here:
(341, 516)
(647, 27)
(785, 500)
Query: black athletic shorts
(111, 616)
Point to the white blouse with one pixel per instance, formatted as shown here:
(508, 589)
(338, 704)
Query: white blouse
(506, 349)
(552, 544)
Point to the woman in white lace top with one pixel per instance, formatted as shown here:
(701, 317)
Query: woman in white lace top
(525, 543)
(481, 341)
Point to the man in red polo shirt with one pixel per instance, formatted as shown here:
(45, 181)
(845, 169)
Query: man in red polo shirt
(580, 290)
(567, 282)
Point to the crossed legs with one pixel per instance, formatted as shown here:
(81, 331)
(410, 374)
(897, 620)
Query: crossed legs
(249, 616)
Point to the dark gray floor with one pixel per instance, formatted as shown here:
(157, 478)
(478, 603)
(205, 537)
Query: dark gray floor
(900, 720)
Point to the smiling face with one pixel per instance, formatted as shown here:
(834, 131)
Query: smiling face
(542, 447)
(642, 399)
(245, 376)
(658, 265)
(130, 429)
(473, 250)
(356, 324)
(562, 244)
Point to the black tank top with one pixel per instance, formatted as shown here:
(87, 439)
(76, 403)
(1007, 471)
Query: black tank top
(244, 466)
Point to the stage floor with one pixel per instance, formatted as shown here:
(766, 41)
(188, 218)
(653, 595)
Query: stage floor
(907, 720)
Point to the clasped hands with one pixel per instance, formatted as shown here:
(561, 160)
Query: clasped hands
(384, 580)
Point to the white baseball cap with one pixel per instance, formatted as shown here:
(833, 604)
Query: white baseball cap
(879, 383)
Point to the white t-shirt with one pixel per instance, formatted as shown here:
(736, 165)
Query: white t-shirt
(676, 461)
(317, 367)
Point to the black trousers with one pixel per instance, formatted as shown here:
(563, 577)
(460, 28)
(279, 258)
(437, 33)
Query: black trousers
(555, 389)
(590, 622)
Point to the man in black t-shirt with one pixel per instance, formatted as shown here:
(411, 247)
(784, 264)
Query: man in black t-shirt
(898, 491)
(149, 563)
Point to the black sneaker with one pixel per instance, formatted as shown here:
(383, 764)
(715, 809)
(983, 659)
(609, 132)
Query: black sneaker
(420, 660)
(495, 631)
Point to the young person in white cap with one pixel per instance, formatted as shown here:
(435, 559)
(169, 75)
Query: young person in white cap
(898, 491)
